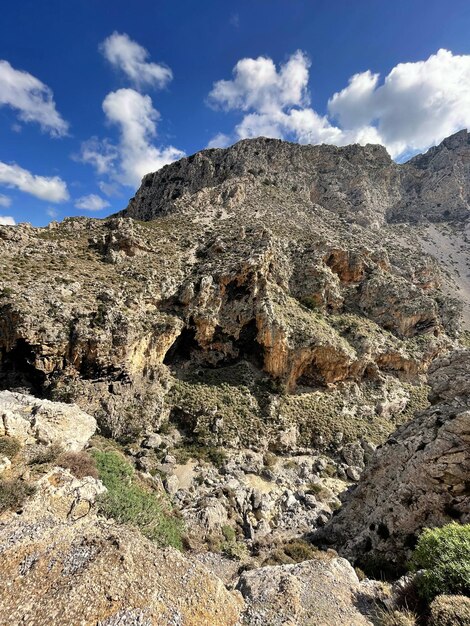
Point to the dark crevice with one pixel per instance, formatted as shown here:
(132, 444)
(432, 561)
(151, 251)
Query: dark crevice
(17, 369)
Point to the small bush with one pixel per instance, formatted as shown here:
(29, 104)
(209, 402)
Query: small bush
(299, 550)
(81, 464)
(9, 447)
(450, 611)
(210, 454)
(396, 618)
(229, 533)
(444, 554)
(270, 460)
(127, 502)
(294, 551)
(13, 493)
(46, 454)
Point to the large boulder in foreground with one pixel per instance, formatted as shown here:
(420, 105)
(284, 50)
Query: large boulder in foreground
(417, 479)
(322, 591)
(32, 420)
(60, 564)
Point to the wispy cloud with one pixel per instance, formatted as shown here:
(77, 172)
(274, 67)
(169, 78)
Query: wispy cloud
(5, 201)
(132, 59)
(91, 202)
(32, 99)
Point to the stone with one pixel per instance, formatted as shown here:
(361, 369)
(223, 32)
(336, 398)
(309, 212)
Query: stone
(31, 420)
(320, 591)
(354, 473)
(5, 463)
(416, 479)
(171, 484)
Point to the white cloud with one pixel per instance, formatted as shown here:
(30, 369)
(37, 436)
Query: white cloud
(109, 189)
(51, 188)
(5, 201)
(101, 154)
(135, 155)
(31, 98)
(258, 85)
(417, 105)
(131, 58)
(7, 220)
(219, 141)
(92, 202)
(52, 212)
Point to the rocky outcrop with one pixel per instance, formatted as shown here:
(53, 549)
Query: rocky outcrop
(31, 420)
(417, 479)
(322, 591)
(60, 564)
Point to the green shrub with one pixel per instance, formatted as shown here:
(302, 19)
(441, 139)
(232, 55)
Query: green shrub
(9, 447)
(450, 611)
(127, 502)
(13, 493)
(444, 554)
(300, 550)
(229, 533)
(210, 454)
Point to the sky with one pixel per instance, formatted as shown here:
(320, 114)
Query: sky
(96, 93)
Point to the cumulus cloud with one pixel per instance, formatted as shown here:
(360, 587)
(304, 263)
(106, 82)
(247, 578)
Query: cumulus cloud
(258, 85)
(7, 220)
(135, 155)
(32, 99)
(132, 59)
(51, 188)
(416, 105)
(91, 202)
(5, 201)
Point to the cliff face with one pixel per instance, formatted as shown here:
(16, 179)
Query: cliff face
(360, 184)
(267, 254)
(418, 479)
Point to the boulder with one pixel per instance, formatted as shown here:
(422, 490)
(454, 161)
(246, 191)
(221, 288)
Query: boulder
(32, 420)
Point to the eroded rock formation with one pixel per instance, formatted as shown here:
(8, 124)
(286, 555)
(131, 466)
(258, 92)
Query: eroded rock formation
(417, 479)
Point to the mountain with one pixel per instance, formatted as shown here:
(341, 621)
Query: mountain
(246, 333)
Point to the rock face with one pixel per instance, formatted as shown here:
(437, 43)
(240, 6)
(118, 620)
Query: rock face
(417, 479)
(322, 591)
(361, 184)
(31, 420)
(266, 257)
(60, 564)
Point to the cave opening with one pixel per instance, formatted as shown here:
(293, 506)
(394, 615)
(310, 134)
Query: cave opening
(182, 348)
(17, 369)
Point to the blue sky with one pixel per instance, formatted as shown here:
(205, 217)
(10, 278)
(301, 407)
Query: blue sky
(94, 92)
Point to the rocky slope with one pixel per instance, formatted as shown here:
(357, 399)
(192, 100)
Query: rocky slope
(249, 329)
(418, 479)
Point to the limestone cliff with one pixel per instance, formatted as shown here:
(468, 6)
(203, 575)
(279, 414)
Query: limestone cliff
(417, 479)
(269, 255)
